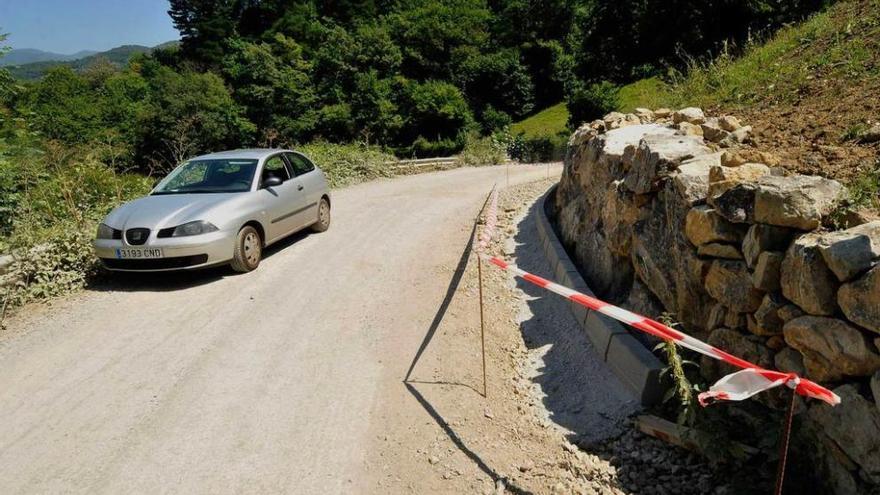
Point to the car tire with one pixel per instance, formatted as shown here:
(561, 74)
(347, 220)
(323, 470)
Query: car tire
(248, 250)
(323, 222)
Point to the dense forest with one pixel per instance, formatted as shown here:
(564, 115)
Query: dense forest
(415, 76)
(363, 78)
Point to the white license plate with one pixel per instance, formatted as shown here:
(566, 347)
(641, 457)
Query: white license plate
(142, 253)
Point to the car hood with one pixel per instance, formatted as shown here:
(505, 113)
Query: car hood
(169, 210)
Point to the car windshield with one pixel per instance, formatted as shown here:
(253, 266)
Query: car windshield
(209, 176)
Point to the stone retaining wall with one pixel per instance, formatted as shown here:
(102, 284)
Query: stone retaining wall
(671, 212)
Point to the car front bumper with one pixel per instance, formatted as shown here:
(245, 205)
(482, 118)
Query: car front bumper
(178, 253)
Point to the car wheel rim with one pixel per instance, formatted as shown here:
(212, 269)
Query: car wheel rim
(324, 214)
(251, 248)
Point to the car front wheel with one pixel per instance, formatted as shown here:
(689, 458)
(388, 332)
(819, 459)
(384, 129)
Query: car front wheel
(248, 250)
(323, 222)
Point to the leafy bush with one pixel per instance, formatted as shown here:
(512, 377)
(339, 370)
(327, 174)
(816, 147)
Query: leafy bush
(538, 149)
(57, 261)
(423, 148)
(589, 102)
(347, 164)
(54, 197)
(483, 151)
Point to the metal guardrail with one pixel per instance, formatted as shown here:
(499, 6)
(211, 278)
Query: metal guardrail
(424, 162)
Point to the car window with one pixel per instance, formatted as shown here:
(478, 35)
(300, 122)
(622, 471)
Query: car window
(209, 176)
(301, 165)
(275, 167)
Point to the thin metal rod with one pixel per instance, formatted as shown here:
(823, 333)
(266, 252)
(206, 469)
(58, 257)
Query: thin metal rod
(783, 446)
(482, 323)
(508, 173)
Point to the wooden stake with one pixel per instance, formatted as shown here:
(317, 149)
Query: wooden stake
(482, 323)
(783, 445)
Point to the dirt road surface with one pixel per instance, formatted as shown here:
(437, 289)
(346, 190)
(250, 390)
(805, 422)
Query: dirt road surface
(287, 379)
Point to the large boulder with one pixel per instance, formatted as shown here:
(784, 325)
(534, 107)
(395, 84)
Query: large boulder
(737, 157)
(691, 115)
(704, 226)
(832, 348)
(860, 300)
(736, 204)
(797, 201)
(718, 250)
(766, 274)
(806, 280)
(723, 178)
(730, 283)
(851, 252)
(665, 262)
(854, 426)
(737, 137)
(767, 319)
(790, 361)
(692, 178)
(657, 156)
(761, 237)
(619, 214)
(729, 123)
(748, 347)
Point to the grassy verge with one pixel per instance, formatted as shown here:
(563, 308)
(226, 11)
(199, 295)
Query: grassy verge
(841, 42)
(52, 198)
(548, 122)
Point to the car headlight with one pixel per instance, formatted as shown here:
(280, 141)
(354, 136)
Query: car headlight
(107, 232)
(193, 228)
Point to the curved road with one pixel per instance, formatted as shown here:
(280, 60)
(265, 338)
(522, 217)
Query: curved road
(215, 383)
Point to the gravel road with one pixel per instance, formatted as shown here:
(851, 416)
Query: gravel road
(275, 381)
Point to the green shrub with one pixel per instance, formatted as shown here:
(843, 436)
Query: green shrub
(58, 261)
(59, 194)
(483, 151)
(538, 149)
(347, 164)
(586, 103)
(423, 148)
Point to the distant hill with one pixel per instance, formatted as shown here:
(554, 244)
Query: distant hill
(118, 56)
(24, 56)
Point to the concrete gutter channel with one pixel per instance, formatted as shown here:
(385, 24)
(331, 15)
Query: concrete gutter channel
(634, 365)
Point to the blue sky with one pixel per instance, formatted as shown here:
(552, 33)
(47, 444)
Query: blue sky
(68, 26)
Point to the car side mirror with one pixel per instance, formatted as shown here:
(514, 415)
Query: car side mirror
(272, 182)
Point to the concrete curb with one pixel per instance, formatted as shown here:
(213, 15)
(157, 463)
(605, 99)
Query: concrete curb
(628, 359)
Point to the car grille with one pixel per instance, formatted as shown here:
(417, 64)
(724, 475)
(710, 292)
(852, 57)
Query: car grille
(155, 264)
(136, 237)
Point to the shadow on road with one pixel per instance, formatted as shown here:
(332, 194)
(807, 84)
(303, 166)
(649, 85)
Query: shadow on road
(182, 279)
(459, 443)
(432, 329)
(578, 390)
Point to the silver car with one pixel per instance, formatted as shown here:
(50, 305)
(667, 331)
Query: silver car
(215, 209)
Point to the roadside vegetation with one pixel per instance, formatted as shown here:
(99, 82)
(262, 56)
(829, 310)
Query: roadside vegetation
(355, 85)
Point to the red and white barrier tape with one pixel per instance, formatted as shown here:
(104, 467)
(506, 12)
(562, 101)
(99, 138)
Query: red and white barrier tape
(741, 385)
(491, 222)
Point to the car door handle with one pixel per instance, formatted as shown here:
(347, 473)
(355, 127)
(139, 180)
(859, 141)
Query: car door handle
(299, 187)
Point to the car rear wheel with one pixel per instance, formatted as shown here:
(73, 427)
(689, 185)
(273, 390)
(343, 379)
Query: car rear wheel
(248, 250)
(323, 222)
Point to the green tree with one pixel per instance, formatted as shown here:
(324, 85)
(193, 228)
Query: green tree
(435, 111)
(272, 82)
(63, 106)
(430, 32)
(374, 111)
(7, 83)
(189, 113)
(204, 27)
(498, 80)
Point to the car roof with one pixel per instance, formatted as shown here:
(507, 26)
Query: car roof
(250, 153)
